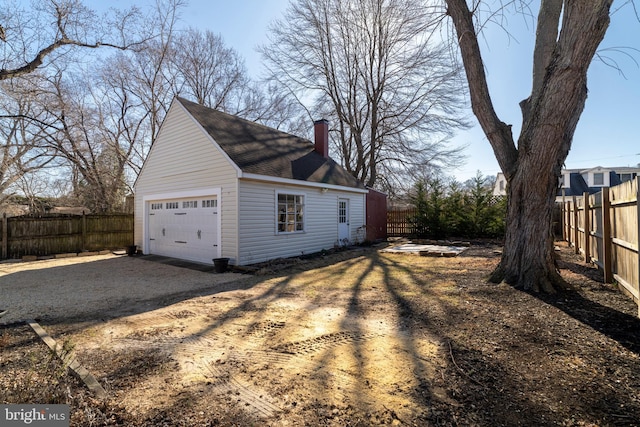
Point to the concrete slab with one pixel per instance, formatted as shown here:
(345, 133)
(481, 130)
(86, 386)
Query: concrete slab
(426, 250)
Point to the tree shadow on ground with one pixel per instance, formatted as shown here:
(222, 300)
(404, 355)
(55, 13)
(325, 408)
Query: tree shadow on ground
(502, 359)
(480, 389)
(620, 326)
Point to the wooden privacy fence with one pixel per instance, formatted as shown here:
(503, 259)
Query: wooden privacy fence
(398, 224)
(64, 234)
(604, 228)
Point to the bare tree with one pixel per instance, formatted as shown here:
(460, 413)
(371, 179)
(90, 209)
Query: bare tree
(567, 37)
(148, 69)
(89, 134)
(208, 71)
(274, 106)
(377, 70)
(22, 145)
(31, 36)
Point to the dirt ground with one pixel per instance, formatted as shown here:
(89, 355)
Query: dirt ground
(355, 338)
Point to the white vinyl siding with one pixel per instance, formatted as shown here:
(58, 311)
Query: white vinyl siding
(182, 159)
(258, 237)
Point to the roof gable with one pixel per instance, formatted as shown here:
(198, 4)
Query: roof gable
(595, 169)
(261, 150)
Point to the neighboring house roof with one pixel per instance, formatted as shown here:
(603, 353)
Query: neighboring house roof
(261, 150)
(578, 186)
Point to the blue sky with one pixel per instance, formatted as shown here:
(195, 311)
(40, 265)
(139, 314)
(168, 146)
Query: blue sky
(607, 134)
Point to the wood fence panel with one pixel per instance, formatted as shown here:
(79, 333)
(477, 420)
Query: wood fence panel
(43, 236)
(579, 229)
(605, 227)
(624, 236)
(595, 235)
(398, 224)
(571, 222)
(65, 234)
(108, 231)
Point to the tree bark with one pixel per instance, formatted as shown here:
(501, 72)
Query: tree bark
(550, 117)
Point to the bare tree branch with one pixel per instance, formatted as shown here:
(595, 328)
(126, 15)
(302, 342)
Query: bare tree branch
(498, 132)
(74, 24)
(376, 70)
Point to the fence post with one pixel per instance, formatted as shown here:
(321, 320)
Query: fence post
(576, 243)
(84, 231)
(587, 228)
(563, 222)
(606, 235)
(5, 237)
(638, 238)
(568, 218)
(570, 208)
(567, 221)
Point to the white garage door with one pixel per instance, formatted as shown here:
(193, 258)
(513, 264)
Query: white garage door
(184, 228)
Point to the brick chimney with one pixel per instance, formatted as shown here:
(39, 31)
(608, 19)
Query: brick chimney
(321, 133)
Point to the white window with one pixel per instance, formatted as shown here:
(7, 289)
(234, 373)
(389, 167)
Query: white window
(172, 205)
(213, 203)
(598, 179)
(342, 212)
(290, 213)
(156, 206)
(189, 204)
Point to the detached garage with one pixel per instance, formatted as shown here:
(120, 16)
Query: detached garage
(215, 185)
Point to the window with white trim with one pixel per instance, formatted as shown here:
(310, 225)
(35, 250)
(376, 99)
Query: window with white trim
(172, 205)
(156, 206)
(290, 213)
(211, 203)
(598, 179)
(189, 204)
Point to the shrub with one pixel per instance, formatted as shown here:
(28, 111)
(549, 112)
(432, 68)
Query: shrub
(461, 211)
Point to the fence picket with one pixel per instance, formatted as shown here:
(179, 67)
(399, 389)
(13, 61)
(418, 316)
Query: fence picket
(606, 236)
(587, 229)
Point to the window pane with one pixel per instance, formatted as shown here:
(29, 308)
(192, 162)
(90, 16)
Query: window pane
(290, 213)
(598, 178)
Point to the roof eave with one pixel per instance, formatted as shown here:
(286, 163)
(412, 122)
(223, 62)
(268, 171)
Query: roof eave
(289, 181)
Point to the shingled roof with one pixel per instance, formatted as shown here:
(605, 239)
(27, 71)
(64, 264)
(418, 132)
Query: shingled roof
(261, 150)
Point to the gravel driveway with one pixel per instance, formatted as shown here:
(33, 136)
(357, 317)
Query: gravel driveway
(99, 286)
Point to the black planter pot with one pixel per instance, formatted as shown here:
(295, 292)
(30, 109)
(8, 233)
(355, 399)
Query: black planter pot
(131, 250)
(221, 264)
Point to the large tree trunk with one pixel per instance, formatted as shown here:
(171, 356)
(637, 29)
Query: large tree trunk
(528, 260)
(550, 117)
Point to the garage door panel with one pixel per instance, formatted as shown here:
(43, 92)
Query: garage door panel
(184, 228)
